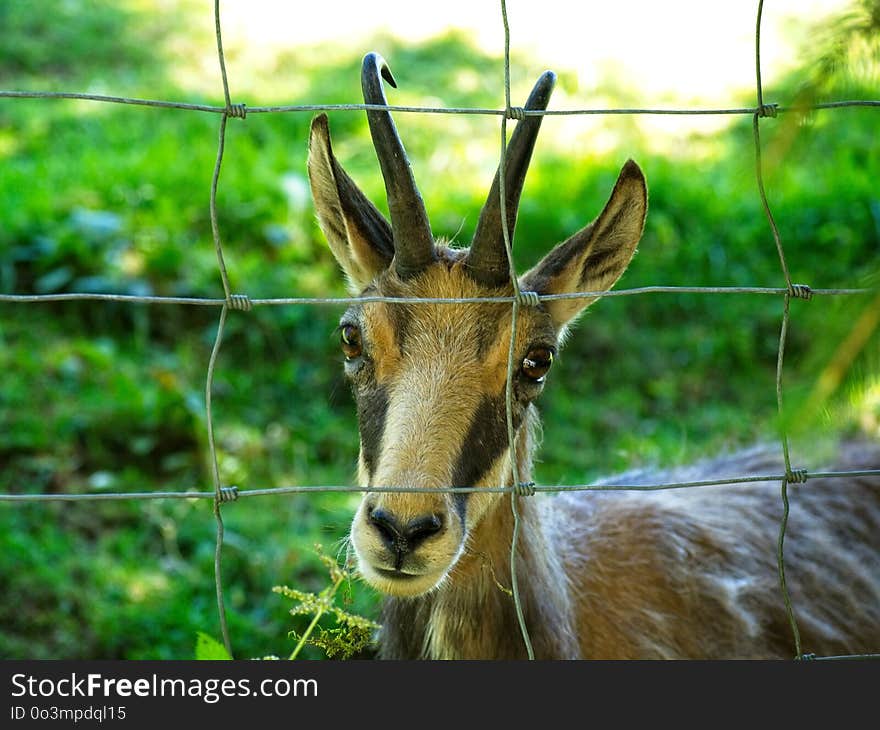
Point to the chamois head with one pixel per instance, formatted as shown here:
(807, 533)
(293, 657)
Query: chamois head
(429, 379)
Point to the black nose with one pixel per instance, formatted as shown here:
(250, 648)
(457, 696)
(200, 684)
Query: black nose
(402, 539)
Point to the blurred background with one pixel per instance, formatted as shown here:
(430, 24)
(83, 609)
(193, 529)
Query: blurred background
(94, 197)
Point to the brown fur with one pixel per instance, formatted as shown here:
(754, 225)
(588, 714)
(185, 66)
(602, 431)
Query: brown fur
(663, 575)
(693, 573)
(668, 574)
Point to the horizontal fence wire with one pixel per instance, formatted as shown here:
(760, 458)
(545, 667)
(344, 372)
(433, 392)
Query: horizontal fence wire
(528, 488)
(243, 109)
(247, 302)
(221, 495)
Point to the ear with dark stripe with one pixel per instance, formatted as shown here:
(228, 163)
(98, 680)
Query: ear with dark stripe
(594, 258)
(358, 234)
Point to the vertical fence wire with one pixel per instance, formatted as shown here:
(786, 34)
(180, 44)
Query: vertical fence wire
(218, 340)
(223, 494)
(511, 351)
(215, 475)
(799, 290)
(788, 477)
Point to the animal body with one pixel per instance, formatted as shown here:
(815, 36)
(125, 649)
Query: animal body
(672, 574)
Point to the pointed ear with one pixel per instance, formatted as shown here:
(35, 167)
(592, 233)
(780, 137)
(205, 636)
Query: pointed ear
(594, 258)
(357, 232)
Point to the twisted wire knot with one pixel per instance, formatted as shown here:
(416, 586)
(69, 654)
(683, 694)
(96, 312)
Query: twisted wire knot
(528, 298)
(797, 476)
(515, 112)
(237, 110)
(805, 657)
(768, 110)
(525, 489)
(228, 494)
(241, 302)
(800, 291)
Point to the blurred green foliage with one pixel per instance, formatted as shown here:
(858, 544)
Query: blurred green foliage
(99, 396)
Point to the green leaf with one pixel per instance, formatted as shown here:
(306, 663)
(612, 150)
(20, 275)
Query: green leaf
(209, 649)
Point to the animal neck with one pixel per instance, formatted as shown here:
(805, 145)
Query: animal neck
(472, 614)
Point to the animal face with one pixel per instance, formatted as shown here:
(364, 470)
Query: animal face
(429, 379)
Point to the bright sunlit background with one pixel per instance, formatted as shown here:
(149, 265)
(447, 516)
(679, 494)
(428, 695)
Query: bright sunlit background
(675, 53)
(679, 50)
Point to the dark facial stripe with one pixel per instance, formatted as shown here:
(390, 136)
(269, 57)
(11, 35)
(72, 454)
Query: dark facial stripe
(400, 316)
(372, 407)
(486, 319)
(485, 441)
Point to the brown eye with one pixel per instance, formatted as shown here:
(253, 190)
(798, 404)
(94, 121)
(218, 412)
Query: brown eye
(350, 338)
(537, 363)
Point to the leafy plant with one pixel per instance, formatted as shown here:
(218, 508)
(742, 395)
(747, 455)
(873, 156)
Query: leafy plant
(209, 649)
(350, 635)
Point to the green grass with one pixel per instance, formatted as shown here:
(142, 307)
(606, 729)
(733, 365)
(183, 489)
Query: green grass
(97, 396)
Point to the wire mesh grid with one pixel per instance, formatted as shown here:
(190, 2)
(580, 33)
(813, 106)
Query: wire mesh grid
(221, 494)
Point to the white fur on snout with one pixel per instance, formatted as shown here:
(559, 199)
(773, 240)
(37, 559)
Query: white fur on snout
(421, 444)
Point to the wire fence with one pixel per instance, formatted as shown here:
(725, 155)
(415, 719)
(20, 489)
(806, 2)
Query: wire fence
(220, 495)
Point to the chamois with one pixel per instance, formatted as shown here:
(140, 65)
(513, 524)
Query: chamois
(671, 574)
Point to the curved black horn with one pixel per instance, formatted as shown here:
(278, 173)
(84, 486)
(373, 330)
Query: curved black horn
(413, 241)
(487, 260)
